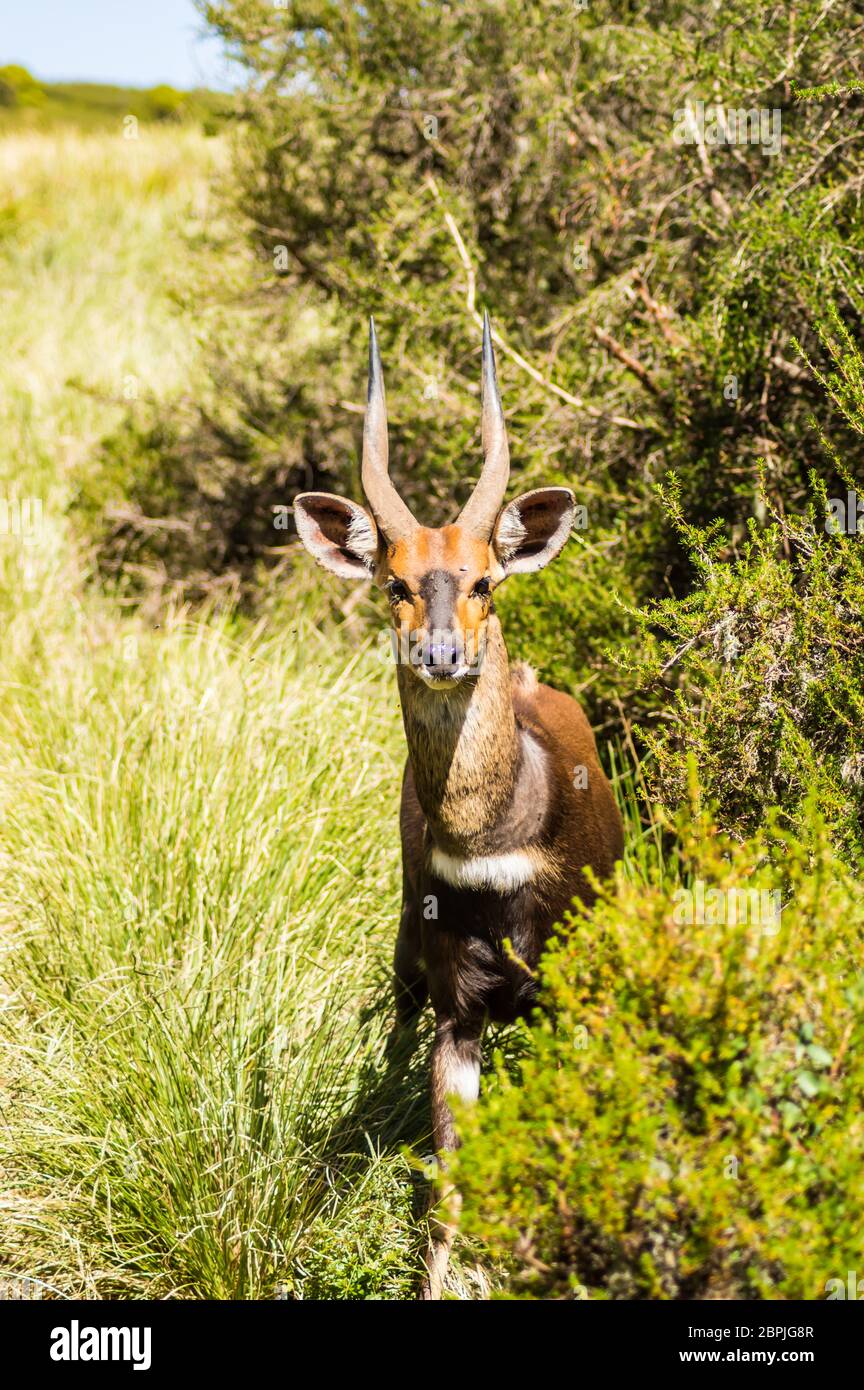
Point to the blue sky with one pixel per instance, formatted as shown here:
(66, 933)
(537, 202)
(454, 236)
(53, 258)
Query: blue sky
(135, 43)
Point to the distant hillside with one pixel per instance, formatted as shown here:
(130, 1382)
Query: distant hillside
(25, 101)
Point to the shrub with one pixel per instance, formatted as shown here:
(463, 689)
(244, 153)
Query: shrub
(166, 103)
(759, 669)
(18, 88)
(768, 654)
(690, 1124)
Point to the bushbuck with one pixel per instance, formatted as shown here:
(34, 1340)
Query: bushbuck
(504, 802)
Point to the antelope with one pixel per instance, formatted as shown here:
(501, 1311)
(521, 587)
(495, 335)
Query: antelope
(504, 802)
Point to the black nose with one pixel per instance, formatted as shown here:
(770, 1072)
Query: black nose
(441, 658)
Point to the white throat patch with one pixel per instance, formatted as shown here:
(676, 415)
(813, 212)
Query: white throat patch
(503, 873)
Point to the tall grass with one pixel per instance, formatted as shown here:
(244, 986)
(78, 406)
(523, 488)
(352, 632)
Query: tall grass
(200, 896)
(198, 888)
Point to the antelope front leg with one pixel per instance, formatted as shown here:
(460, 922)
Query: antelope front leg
(410, 988)
(455, 1072)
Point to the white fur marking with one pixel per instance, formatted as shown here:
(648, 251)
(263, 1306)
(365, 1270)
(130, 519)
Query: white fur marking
(501, 872)
(463, 1080)
(533, 752)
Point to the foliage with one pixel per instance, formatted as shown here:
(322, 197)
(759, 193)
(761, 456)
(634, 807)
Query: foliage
(759, 669)
(199, 1015)
(689, 1124)
(767, 652)
(18, 88)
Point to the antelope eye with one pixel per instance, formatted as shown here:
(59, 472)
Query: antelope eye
(481, 588)
(398, 591)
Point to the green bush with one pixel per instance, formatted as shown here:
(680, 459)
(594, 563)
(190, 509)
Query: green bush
(18, 88)
(525, 157)
(166, 103)
(689, 1125)
(759, 670)
(767, 652)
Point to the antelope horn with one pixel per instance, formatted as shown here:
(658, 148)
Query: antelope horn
(390, 512)
(479, 513)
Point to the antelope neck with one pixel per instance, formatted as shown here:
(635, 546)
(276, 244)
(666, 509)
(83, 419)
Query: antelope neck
(479, 780)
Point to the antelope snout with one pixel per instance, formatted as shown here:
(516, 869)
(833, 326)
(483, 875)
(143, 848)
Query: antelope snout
(442, 658)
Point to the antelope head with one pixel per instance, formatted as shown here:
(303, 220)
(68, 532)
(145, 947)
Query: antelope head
(439, 580)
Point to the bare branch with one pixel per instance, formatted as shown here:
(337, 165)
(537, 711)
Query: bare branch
(629, 361)
(470, 303)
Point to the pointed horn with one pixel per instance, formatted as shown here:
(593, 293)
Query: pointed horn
(479, 513)
(390, 512)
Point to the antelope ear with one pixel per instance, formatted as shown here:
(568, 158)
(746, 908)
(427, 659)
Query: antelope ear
(531, 530)
(340, 535)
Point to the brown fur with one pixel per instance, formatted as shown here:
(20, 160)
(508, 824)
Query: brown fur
(498, 765)
(468, 792)
(450, 550)
(469, 789)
